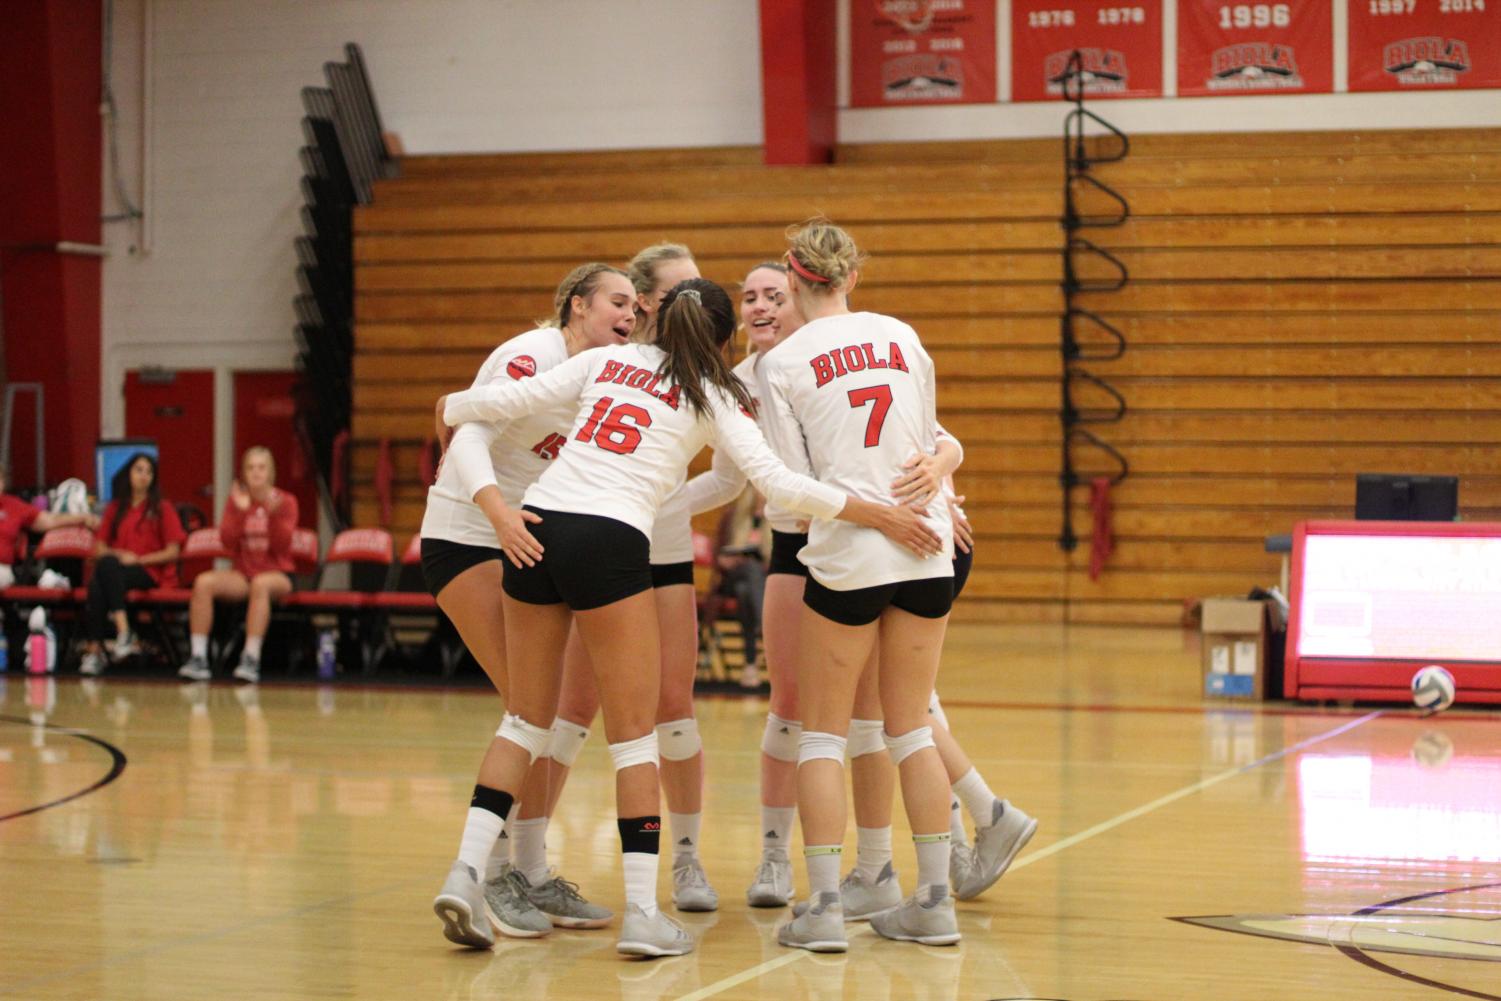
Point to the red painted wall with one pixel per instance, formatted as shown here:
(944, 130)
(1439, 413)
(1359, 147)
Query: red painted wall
(50, 80)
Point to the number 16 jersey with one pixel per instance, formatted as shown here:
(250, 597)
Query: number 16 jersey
(854, 397)
(634, 433)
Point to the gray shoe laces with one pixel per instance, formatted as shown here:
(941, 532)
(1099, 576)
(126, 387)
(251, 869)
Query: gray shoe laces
(691, 874)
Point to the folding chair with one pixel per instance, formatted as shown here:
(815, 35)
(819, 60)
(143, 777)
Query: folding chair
(166, 607)
(367, 552)
(67, 551)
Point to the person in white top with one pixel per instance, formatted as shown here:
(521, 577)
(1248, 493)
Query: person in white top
(653, 271)
(644, 411)
(855, 394)
(473, 518)
(768, 317)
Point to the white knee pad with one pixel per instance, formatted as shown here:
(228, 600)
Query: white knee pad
(909, 743)
(935, 709)
(865, 737)
(629, 753)
(533, 739)
(813, 745)
(780, 739)
(566, 741)
(679, 739)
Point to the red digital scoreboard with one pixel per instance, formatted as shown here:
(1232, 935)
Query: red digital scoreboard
(1374, 601)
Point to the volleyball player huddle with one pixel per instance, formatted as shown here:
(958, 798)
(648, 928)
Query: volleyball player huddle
(557, 538)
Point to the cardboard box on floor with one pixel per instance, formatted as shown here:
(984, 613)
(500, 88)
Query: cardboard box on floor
(1234, 647)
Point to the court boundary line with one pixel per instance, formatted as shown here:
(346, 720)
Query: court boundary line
(751, 973)
(118, 762)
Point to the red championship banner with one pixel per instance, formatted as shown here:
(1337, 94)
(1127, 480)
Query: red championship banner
(922, 52)
(1120, 48)
(1424, 44)
(1227, 47)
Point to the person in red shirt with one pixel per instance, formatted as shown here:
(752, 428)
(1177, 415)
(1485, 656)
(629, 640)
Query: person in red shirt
(17, 516)
(140, 538)
(257, 527)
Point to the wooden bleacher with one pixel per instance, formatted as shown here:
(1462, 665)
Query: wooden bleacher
(1302, 307)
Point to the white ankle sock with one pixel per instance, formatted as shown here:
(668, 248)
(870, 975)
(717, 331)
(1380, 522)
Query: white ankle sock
(932, 859)
(823, 868)
(500, 855)
(956, 823)
(776, 828)
(253, 646)
(872, 850)
(481, 828)
(641, 880)
(529, 848)
(198, 647)
(976, 796)
(684, 829)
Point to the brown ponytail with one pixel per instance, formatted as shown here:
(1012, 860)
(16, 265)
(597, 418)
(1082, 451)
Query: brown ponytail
(694, 324)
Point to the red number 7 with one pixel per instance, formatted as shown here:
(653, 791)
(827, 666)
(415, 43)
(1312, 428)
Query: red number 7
(881, 397)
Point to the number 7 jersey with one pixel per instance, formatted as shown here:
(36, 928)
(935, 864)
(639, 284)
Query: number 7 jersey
(849, 399)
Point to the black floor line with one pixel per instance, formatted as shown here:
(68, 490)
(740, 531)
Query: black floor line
(117, 766)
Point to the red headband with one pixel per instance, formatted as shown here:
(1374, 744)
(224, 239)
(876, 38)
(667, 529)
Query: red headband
(801, 269)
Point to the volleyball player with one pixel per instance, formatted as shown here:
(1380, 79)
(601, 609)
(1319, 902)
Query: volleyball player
(473, 514)
(645, 410)
(855, 393)
(652, 272)
(769, 317)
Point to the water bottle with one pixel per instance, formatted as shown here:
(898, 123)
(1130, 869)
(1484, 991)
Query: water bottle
(328, 643)
(41, 643)
(4, 650)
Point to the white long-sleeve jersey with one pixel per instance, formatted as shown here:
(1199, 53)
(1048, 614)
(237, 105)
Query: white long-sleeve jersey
(723, 481)
(508, 455)
(856, 395)
(632, 437)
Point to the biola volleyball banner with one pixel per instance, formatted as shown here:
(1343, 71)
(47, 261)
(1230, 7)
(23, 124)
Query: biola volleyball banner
(1226, 47)
(1424, 44)
(905, 52)
(1119, 46)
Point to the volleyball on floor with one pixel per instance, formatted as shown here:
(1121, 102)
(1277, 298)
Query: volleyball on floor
(1433, 689)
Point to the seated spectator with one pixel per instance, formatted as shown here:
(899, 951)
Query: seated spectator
(257, 528)
(741, 559)
(16, 516)
(140, 538)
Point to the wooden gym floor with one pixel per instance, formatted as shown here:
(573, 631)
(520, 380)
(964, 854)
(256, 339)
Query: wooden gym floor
(286, 844)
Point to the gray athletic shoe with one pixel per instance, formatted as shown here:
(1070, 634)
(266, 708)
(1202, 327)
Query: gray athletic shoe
(690, 886)
(772, 886)
(461, 907)
(196, 669)
(996, 846)
(562, 904)
(961, 861)
(249, 670)
(91, 665)
(926, 917)
(657, 935)
(819, 928)
(510, 909)
(862, 898)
